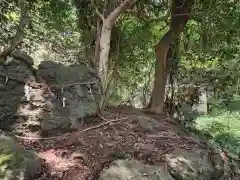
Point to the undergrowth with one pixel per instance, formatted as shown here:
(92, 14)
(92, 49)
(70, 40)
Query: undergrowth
(222, 131)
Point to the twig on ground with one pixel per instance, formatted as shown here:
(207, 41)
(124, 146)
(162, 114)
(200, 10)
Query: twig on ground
(166, 151)
(101, 117)
(170, 149)
(36, 138)
(104, 119)
(85, 130)
(154, 136)
(103, 124)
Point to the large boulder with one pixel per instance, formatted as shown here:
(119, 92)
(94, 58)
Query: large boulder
(180, 164)
(42, 111)
(50, 99)
(64, 95)
(17, 163)
(73, 93)
(77, 85)
(134, 170)
(13, 76)
(194, 164)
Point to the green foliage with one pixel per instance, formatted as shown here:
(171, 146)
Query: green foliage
(15, 162)
(216, 107)
(188, 115)
(229, 141)
(209, 46)
(136, 60)
(52, 25)
(9, 19)
(215, 127)
(224, 131)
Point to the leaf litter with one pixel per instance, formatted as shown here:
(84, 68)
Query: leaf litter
(83, 153)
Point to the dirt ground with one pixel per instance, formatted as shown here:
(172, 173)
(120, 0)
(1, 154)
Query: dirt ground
(117, 133)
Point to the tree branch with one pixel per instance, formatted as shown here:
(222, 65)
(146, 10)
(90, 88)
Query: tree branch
(100, 14)
(24, 20)
(116, 12)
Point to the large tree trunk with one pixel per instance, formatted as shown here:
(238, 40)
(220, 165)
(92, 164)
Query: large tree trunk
(180, 14)
(161, 51)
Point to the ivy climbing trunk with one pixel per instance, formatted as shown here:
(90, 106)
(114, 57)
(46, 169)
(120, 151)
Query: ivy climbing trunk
(180, 14)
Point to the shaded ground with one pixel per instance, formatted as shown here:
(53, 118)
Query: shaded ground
(82, 154)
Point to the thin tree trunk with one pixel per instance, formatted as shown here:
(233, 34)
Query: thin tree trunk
(103, 58)
(105, 38)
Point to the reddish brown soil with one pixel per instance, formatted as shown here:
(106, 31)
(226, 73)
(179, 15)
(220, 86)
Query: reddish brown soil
(82, 155)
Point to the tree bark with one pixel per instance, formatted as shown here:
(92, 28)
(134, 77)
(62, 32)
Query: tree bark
(161, 71)
(161, 51)
(97, 44)
(24, 21)
(103, 59)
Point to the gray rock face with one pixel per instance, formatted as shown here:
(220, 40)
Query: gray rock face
(23, 57)
(202, 107)
(190, 165)
(52, 98)
(134, 170)
(181, 164)
(16, 163)
(12, 78)
(77, 84)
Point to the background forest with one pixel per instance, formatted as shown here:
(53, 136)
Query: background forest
(145, 52)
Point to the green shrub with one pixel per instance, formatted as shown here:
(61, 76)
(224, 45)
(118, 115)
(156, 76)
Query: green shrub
(229, 141)
(215, 127)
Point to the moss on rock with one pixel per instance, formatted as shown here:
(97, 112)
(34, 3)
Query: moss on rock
(15, 162)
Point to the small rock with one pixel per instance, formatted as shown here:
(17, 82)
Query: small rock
(192, 164)
(23, 56)
(134, 170)
(78, 155)
(147, 124)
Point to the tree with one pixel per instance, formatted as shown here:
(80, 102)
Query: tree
(180, 14)
(24, 21)
(105, 37)
(98, 31)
